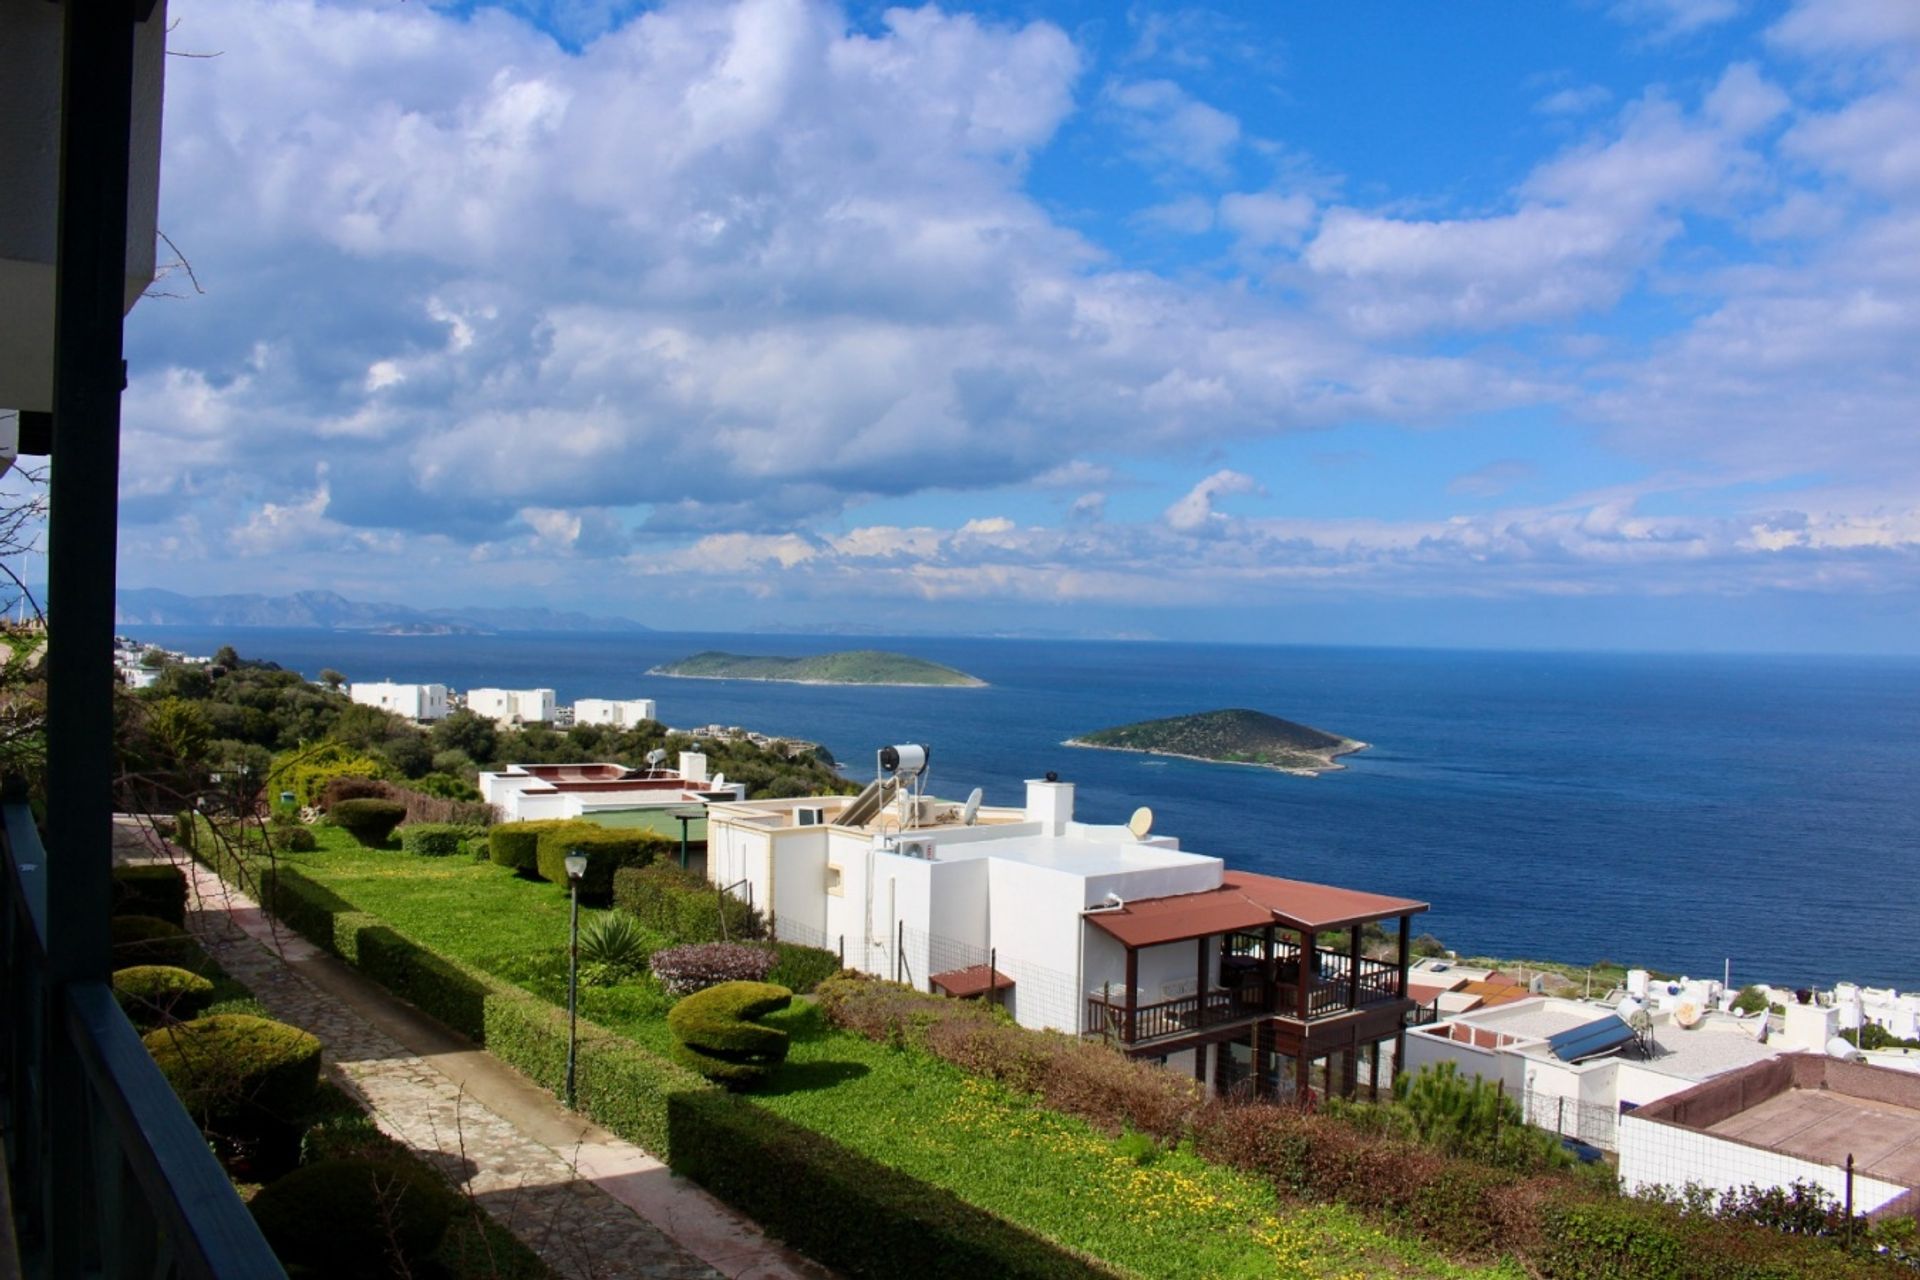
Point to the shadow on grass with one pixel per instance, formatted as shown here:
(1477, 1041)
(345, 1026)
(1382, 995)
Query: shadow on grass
(804, 1077)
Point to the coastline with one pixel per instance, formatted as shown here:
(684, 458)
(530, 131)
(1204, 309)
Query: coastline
(970, 683)
(1332, 765)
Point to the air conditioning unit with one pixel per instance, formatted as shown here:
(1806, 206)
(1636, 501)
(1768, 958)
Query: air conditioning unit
(810, 815)
(922, 849)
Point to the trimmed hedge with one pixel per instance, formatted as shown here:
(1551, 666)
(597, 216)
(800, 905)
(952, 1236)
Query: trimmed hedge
(352, 1217)
(369, 821)
(154, 889)
(716, 1032)
(435, 839)
(608, 849)
(157, 993)
(234, 1071)
(516, 845)
(140, 940)
(800, 968)
(682, 905)
(695, 966)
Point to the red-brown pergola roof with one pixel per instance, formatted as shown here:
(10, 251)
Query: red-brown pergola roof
(971, 981)
(1247, 901)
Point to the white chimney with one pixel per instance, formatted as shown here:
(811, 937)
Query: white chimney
(693, 766)
(1810, 1026)
(1050, 803)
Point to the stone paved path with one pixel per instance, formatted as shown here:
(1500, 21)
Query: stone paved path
(592, 1206)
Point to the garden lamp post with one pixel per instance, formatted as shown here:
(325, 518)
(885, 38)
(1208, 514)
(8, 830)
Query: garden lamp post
(576, 871)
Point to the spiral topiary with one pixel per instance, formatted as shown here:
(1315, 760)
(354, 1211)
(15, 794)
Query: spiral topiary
(356, 1217)
(715, 1032)
(160, 993)
(237, 1073)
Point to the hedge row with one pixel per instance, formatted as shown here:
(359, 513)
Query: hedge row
(800, 1185)
(437, 839)
(150, 889)
(608, 850)
(681, 904)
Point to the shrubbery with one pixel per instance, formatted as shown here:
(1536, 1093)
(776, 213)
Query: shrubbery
(608, 850)
(356, 1217)
(616, 942)
(156, 993)
(369, 821)
(436, 839)
(154, 889)
(141, 940)
(682, 905)
(716, 1032)
(353, 787)
(237, 1073)
(695, 967)
(800, 968)
(516, 845)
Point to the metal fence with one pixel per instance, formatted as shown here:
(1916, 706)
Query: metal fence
(1595, 1124)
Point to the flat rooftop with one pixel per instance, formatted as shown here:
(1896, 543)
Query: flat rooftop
(1083, 855)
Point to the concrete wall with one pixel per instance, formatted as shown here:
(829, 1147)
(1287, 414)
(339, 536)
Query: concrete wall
(1659, 1153)
(1036, 929)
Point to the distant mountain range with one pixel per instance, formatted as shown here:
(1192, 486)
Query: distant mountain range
(330, 611)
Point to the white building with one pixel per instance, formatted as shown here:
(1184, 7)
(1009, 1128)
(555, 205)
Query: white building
(1801, 1117)
(620, 713)
(414, 701)
(651, 798)
(1074, 926)
(509, 707)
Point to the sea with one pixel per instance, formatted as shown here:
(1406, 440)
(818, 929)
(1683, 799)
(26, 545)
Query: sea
(1689, 813)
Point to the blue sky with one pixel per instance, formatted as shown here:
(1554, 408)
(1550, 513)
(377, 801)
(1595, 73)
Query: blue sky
(1586, 324)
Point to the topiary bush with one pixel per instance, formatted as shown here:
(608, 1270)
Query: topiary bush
(371, 822)
(353, 787)
(139, 940)
(356, 1217)
(608, 849)
(156, 889)
(715, 1032)
(516, 845)
(160, 993)
(682, 905)
(185, 829)
(684, 970)
(294, 839)
(434, 839)
(800, 968)
(238, 1074)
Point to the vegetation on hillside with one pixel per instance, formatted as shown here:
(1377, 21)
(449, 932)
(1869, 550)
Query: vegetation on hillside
(1235, 736)
(854, 666)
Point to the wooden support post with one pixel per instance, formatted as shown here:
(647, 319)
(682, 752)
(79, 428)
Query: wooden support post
(1373, 1071)
(1133, 993)
(1350, 1071)
(1270, 969)
(1353, 970)
(1200, 984)
(1303, 1003)
(1200, 1063)
(1406, 958)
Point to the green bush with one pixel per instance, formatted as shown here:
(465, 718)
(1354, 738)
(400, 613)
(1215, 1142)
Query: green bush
(800, 968)
(356, 1217)
(139, 940)
(369, 821)
(715, 1032)
(156, 993)
(516, 845)
(480, 849)
(156, 889)
(608, 849)
(682, 905)
(434, 839)
(616, 940)
(238, 1073)
(1750, 1000)
(307, 772)
(293, 839)
(185, 827)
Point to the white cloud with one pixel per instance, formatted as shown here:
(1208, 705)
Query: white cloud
(1672, 18)
(1265, 219)
(1171, 128)
(1195, 511)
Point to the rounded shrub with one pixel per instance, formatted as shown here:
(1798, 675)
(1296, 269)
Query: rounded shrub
(353, 786)
(433, 839)
(236, 1072)
(516, 845)
(369, 821)
(157, 993)
(356, 1217)
(294, 839)
(155, 889)
(608, 849)
(686, 969)
(139, 940)
(715, 1032)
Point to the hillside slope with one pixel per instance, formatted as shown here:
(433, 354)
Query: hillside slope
(1232, 736)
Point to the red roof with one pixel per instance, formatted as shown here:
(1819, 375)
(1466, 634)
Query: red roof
(970, 981)
(1245, 901)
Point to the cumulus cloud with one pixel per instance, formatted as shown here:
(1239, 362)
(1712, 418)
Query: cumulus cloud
(1195, 511)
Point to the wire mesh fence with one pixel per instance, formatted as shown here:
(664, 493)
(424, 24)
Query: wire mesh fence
(1596, 1124)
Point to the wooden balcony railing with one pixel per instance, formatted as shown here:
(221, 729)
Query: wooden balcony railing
(1109, 1014)
(109, 1176)
(1336, 988)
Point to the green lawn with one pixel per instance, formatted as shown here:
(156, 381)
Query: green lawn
(1177, 1216)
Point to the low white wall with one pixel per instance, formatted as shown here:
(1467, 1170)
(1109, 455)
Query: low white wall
(1657, 1153)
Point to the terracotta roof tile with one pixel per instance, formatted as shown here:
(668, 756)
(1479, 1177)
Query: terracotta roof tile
(1247, 901)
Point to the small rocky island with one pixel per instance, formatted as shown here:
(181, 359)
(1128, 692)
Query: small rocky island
(853, 666)
(1235, 736)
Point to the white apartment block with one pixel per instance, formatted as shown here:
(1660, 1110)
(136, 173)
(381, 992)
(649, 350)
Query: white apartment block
(414, 701)
(617, 712)
(508, 707)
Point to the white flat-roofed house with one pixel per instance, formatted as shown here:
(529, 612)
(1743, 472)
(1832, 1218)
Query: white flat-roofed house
(509, 707)
(525, 792)
(621, 713)
(414, 701)
(1075, 926)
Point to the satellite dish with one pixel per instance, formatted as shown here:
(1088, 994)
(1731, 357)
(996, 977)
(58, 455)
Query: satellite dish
(1686, 1014)
(1141, 822)
(719, 781)
(970, 811)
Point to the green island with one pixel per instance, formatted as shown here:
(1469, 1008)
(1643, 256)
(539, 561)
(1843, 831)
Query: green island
(852, 666)
(1232, 736)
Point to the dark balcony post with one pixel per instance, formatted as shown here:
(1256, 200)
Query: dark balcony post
(1270, 969)
(1201, 984)
(1406, 958)
(1353, 971)
(1133, 993)
(1304, 1001)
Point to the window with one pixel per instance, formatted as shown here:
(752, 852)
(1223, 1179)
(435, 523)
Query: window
(833, 881)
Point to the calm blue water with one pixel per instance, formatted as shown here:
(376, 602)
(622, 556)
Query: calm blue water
(1672, 811)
